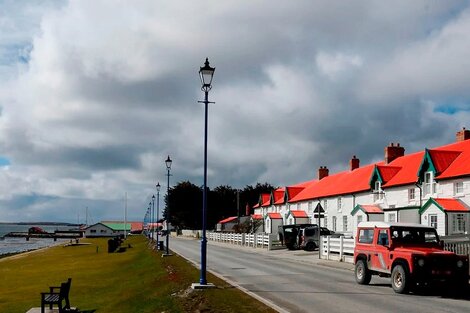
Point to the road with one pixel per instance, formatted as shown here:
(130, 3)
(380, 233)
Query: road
(299, 286)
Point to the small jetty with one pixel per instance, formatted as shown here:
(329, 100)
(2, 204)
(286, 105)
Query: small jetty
(36, 232)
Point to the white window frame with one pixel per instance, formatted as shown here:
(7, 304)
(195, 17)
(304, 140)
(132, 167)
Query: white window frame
(411, 195)
(325, 205)
(310, 206)
(432, 220)
(340, 204)
(458, 223)
(378, 192)
(458, 188)
(429, 186)
(345, 223)
(333, 222)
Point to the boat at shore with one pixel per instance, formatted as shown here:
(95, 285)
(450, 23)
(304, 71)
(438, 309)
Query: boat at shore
(37, 232)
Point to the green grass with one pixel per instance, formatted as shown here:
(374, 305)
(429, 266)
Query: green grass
(138, 280)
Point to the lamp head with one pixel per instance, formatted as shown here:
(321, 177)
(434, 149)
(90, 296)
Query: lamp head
(206, 73)
(158, 186)
(168, 163)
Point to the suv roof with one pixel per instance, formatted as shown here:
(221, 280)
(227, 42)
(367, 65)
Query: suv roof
(388, 225)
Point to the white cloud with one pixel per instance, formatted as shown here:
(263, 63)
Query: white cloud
(111, 88)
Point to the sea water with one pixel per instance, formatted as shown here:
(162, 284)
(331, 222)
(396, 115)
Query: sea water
(20, 244)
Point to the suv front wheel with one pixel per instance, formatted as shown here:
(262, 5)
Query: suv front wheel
(400, 279)
(363, 275)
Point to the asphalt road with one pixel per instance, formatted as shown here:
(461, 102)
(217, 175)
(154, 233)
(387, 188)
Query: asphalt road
(298, 283)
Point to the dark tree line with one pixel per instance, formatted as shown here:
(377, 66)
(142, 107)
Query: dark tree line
(222, 202)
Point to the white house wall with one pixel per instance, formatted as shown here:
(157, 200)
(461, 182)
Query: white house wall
(434, 210)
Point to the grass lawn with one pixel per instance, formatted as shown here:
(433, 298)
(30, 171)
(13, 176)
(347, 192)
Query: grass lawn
(137, 280)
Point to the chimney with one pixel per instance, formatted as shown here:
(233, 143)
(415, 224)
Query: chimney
(322, 172)
(354, 163)
(393, 151)
(462, 135)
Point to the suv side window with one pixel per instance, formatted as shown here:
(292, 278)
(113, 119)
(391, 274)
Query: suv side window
(366, 235)
(309, 231)
(382, 239)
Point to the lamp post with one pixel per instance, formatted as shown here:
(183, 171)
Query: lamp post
(168, 162)
(206, 73)
(158, 208)
(152, 216)
(153, 222)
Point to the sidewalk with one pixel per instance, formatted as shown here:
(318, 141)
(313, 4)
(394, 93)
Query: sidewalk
(299, 256)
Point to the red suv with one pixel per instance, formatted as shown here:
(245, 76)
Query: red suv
(410, 254)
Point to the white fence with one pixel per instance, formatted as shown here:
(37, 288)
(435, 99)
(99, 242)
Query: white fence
(248, 240)
(339, 249)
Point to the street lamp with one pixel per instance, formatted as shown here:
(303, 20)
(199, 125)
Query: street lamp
(153, 222)
(168, 162)
(206, 73)
(152, 217)
(158, 208)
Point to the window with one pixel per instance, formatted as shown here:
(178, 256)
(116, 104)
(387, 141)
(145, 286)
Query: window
(378, 192)
(345, 222)
(310, 207)
(429, 185)
(458, 188)
(458, 223)
(411, 194)
(359, 219)
(392, 217)
(333, 222)
(93, 231)
(340, 204)
(433, 220)
(325, 205)
(325, 221)
(103, 231)
(366, 235)
(298, 206)
(382, 239)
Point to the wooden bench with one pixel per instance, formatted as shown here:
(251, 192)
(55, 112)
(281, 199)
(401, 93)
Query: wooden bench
(58, 296)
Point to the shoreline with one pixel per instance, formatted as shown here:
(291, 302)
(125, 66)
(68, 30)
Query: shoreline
(19, 254)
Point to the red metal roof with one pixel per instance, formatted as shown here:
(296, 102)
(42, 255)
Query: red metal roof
(372, 208)
(257, 216)
(460, 166)
(451, 205)
(265, 199)
(298, 213)
(387, 172)
(408, 174)
(228, 220)
(278, 195)
(275, 215)
(442, 159)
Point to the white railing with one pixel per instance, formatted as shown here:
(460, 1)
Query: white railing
(339, 249)
(462, 248)
(248, 240)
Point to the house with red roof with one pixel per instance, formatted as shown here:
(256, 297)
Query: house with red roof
(413, 188)
(272, 222)
(227, 224)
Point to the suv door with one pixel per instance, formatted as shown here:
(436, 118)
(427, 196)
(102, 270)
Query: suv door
(380, 258)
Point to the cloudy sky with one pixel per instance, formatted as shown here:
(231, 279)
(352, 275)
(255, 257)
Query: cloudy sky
(94, 95)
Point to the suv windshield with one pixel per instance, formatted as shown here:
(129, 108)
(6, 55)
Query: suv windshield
(412, 235)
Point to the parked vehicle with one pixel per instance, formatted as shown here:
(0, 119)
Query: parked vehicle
(309, 237)
(410, 254)
(289, 235)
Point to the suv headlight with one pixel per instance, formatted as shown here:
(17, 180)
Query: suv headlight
(459, 263)
(421, 262)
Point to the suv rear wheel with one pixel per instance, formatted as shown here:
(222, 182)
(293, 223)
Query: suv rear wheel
(310, 246)
(400, 279)
(363, 275)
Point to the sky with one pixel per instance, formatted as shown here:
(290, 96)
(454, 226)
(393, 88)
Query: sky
(94, 95)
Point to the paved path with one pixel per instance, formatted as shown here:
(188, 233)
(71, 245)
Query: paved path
(297, 281)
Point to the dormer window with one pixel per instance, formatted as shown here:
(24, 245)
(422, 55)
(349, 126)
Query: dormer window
(429, 184)
(378, 192)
